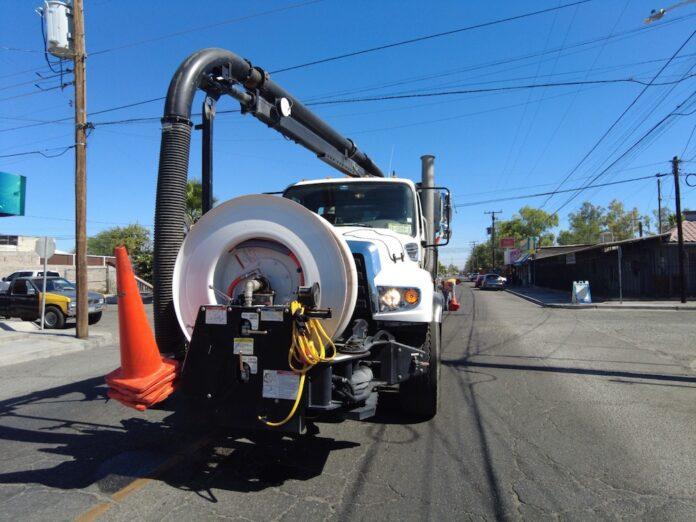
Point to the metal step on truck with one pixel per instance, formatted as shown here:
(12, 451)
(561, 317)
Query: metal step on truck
(274, 308)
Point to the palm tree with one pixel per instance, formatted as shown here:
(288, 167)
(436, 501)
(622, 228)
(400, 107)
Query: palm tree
(194, 202)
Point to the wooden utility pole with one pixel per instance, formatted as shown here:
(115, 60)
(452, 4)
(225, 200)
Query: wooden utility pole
(493, 213)
(680, 234)
(79, 58)
(659, 205)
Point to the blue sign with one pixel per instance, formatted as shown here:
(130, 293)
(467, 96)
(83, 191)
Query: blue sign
(13, 188)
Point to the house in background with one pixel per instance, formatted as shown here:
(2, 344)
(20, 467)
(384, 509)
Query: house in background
(649, 265)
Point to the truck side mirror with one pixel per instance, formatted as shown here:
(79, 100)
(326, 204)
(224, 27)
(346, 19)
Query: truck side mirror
(443, 216)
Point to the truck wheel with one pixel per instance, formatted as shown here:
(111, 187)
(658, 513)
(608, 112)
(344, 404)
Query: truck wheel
(53, 318)
(94, 318)
(419, 395)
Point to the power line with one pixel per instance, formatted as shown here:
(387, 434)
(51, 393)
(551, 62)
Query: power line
(209, 26)
(569, 106)
(41, 91)
(41, 152)
(496, 89)
(541, 194)
(625, 111)
(426, 37)
(506, 61)
(635, 144)
(133, 120)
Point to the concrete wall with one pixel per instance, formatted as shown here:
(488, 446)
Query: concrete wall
(100, 278)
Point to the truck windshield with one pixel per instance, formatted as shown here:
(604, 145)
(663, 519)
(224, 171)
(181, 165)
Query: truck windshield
(55, 284)
(368, 204)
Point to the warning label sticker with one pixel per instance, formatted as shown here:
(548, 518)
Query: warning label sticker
(280, 384)
(244, 345)
(253, 363)
(216, 315)
(253, 318)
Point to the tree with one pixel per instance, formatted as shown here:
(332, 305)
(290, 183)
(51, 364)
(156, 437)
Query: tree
(586, 225)
(136, 239)
(529, 222)
(194, 201)
(667, 219)
(480, 258)
(619, 222)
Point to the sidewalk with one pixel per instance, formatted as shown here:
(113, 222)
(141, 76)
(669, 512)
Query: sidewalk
(549, 298)
(22, 341)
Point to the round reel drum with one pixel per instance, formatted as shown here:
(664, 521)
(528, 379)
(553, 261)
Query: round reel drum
(263, 236)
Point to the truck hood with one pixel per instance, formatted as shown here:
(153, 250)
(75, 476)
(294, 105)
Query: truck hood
(391, 245)
(73, 295)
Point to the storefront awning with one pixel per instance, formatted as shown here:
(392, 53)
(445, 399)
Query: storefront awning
(522, 259)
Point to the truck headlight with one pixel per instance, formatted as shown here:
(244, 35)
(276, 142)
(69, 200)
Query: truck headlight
(72, 305)
(397, 298)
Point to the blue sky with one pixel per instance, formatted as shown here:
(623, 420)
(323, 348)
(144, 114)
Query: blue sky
(488, 145)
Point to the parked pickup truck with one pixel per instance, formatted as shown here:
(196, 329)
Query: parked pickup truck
(23, 300)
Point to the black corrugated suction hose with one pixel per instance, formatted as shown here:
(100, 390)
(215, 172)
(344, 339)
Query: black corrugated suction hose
(170, 210)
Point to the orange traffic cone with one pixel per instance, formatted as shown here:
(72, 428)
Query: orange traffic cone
(453, 304)
(145, 377)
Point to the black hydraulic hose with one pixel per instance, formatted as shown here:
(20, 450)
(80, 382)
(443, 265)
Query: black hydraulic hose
(170, 207)
(170, 210)
(272, 91)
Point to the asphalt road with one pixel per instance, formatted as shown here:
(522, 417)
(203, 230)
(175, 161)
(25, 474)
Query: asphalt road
(545, 414)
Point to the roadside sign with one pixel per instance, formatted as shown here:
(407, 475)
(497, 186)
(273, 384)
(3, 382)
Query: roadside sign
(507, 242)
(13, 188)
(45, 247)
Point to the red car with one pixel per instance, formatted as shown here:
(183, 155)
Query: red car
(479, 280)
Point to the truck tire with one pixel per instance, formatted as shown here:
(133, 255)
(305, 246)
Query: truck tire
(94, 318)
(419, 395)
(53, 318)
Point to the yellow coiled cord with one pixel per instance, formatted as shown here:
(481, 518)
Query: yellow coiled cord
(307, 350)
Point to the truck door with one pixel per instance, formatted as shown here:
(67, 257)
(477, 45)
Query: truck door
(24, 298)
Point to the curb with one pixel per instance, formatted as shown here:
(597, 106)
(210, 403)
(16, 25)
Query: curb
(33, 346)
(594, 306)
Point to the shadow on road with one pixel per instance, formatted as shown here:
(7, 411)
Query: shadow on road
(181, 452)
(465, 362)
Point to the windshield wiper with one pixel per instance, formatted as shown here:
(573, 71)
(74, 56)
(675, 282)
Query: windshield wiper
(352, 225)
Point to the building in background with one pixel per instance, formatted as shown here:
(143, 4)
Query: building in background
(649, 265)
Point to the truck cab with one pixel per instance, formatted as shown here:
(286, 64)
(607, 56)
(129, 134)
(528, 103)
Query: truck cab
(383, 223)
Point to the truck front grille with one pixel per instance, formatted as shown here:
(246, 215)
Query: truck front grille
(362, 305)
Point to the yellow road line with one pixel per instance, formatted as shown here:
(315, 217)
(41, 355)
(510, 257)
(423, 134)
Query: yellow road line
(98, 510)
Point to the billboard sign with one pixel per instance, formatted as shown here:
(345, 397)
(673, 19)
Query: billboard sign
(12, 194)
(507, 242)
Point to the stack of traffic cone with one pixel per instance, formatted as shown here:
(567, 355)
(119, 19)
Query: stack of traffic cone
(145, 377)
(453, 304)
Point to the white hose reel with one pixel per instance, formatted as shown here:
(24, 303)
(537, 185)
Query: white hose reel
(268, 237)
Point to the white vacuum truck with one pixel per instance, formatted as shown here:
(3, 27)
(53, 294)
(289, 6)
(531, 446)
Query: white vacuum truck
(300, 304)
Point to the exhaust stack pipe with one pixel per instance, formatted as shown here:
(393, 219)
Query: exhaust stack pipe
(428, 202)
(218, 72)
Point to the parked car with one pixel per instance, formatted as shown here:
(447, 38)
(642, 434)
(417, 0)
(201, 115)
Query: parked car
(493, 281)
(472, 276)
(479, 279)
(5, 283)
(23, 300)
